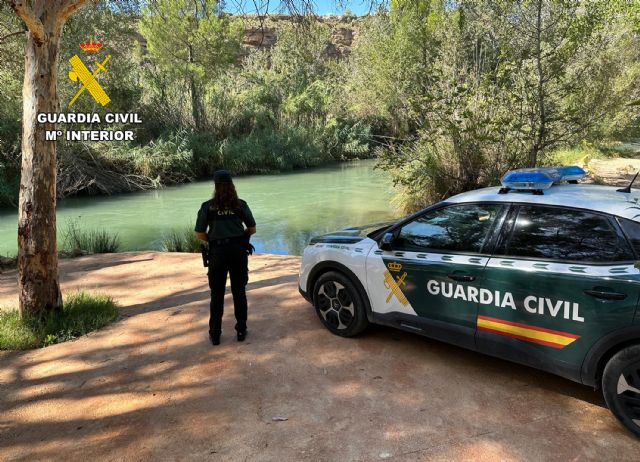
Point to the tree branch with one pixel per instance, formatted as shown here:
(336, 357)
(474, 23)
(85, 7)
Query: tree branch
(34, 25)
(8, 36)
(69, 7)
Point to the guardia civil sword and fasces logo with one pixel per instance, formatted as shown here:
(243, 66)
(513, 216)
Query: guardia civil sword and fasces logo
(395, 279)
(80, 72)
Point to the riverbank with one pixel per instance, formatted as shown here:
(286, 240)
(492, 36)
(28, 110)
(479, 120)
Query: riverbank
(107, 168)
(150, 386)
(289, 208)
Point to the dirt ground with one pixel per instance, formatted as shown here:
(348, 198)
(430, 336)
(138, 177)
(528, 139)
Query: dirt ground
(618, 171)
(151, 387)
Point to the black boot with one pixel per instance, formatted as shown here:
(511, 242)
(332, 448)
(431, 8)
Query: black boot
(215, 339)
(242, 335)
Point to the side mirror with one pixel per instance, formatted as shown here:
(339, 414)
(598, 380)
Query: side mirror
(386, 242)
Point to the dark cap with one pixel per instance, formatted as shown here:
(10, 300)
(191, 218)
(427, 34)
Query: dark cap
(222, 176)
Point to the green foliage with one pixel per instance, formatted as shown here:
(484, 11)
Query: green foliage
(576, 155)
(473, 90)
(189, 43)
(270, 150)
(10, 105)
(167, 159)
(82, 313)
(9, 179)
(181, 240)
(75, 239)
(448, 94)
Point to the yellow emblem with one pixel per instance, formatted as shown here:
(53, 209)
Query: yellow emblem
(88, 80)
(394, 266)
(394, 284)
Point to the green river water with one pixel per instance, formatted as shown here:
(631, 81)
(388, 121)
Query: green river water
(288, 208)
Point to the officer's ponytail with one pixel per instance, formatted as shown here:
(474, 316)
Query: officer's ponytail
(225, 197)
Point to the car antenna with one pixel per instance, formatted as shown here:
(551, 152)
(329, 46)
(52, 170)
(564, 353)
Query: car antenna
(628, 188)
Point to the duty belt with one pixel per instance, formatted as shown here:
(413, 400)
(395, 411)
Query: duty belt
(228, 240)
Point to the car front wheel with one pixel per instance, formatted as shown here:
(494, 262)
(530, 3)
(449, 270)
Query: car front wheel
(621, 387)
(339, 304)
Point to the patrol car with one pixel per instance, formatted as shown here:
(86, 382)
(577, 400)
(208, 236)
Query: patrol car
(541, 271)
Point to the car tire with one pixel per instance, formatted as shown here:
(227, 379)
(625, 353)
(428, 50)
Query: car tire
(339, 304)
(621, 387)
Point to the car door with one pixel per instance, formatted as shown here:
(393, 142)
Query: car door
(560, 280)
(428, 280)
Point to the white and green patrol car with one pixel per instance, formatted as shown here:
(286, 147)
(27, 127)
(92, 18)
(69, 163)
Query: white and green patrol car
(541, 272)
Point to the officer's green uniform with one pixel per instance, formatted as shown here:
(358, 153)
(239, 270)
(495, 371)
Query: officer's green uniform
(228, 252)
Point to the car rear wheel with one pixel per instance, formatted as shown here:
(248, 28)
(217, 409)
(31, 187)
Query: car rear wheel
(621, 387)
(339, 305)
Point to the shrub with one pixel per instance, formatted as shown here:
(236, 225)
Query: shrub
(82, 313)
(92, 240)
(346, 139)
(9, 178)
(269, 150)
(206, 153)
(181, 240)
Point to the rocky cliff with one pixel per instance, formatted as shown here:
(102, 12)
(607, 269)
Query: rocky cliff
(262, 33)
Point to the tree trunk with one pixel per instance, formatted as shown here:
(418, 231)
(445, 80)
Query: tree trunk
(541, 134)
(38, 254)
(196, 109)
(195, 103)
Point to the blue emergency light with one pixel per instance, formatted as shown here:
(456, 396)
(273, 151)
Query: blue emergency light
(572, 173)
(537, 180)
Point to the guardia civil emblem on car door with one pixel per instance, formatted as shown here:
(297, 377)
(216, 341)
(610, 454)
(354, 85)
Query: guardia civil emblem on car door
(395, 283)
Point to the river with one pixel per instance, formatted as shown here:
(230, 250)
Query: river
(289, 208)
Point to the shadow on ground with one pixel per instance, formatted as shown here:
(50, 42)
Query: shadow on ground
(151, 387)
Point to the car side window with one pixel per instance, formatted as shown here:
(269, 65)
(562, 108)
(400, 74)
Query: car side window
(458, 228)
(632, 230)
(556, 233)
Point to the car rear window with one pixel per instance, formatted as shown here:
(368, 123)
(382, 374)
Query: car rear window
(556, 233)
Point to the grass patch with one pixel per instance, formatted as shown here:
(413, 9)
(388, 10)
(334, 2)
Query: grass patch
(15, 333)
(181, 240)
(578, 155)
(82, 313)
(76, 239)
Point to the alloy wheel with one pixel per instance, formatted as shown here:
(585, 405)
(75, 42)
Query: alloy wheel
(629, 392)
(335, 305)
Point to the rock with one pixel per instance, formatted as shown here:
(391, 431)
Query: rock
(261, 36)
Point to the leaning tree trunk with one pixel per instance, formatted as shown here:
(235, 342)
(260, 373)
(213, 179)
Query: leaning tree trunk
(38, 254)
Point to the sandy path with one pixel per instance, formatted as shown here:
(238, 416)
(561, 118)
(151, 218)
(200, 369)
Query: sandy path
(151, 387)
(618, 171)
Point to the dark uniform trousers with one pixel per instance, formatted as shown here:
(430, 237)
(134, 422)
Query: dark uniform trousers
(229, 258)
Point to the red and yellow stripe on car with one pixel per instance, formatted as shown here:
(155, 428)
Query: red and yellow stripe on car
(539, 335)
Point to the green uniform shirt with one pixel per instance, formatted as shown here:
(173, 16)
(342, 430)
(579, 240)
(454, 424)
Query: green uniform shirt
(223, 224)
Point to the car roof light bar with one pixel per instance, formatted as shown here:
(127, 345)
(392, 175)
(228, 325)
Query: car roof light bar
(536, 180)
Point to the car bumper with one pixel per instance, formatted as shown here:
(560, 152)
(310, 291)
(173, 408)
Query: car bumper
(305, 295)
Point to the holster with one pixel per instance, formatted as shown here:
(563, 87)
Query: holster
(204, 250)
(248, 246)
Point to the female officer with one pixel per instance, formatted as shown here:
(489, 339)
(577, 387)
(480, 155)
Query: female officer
(226, 223)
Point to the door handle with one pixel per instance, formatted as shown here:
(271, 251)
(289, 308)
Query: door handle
(601, 294)
(461, 277)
